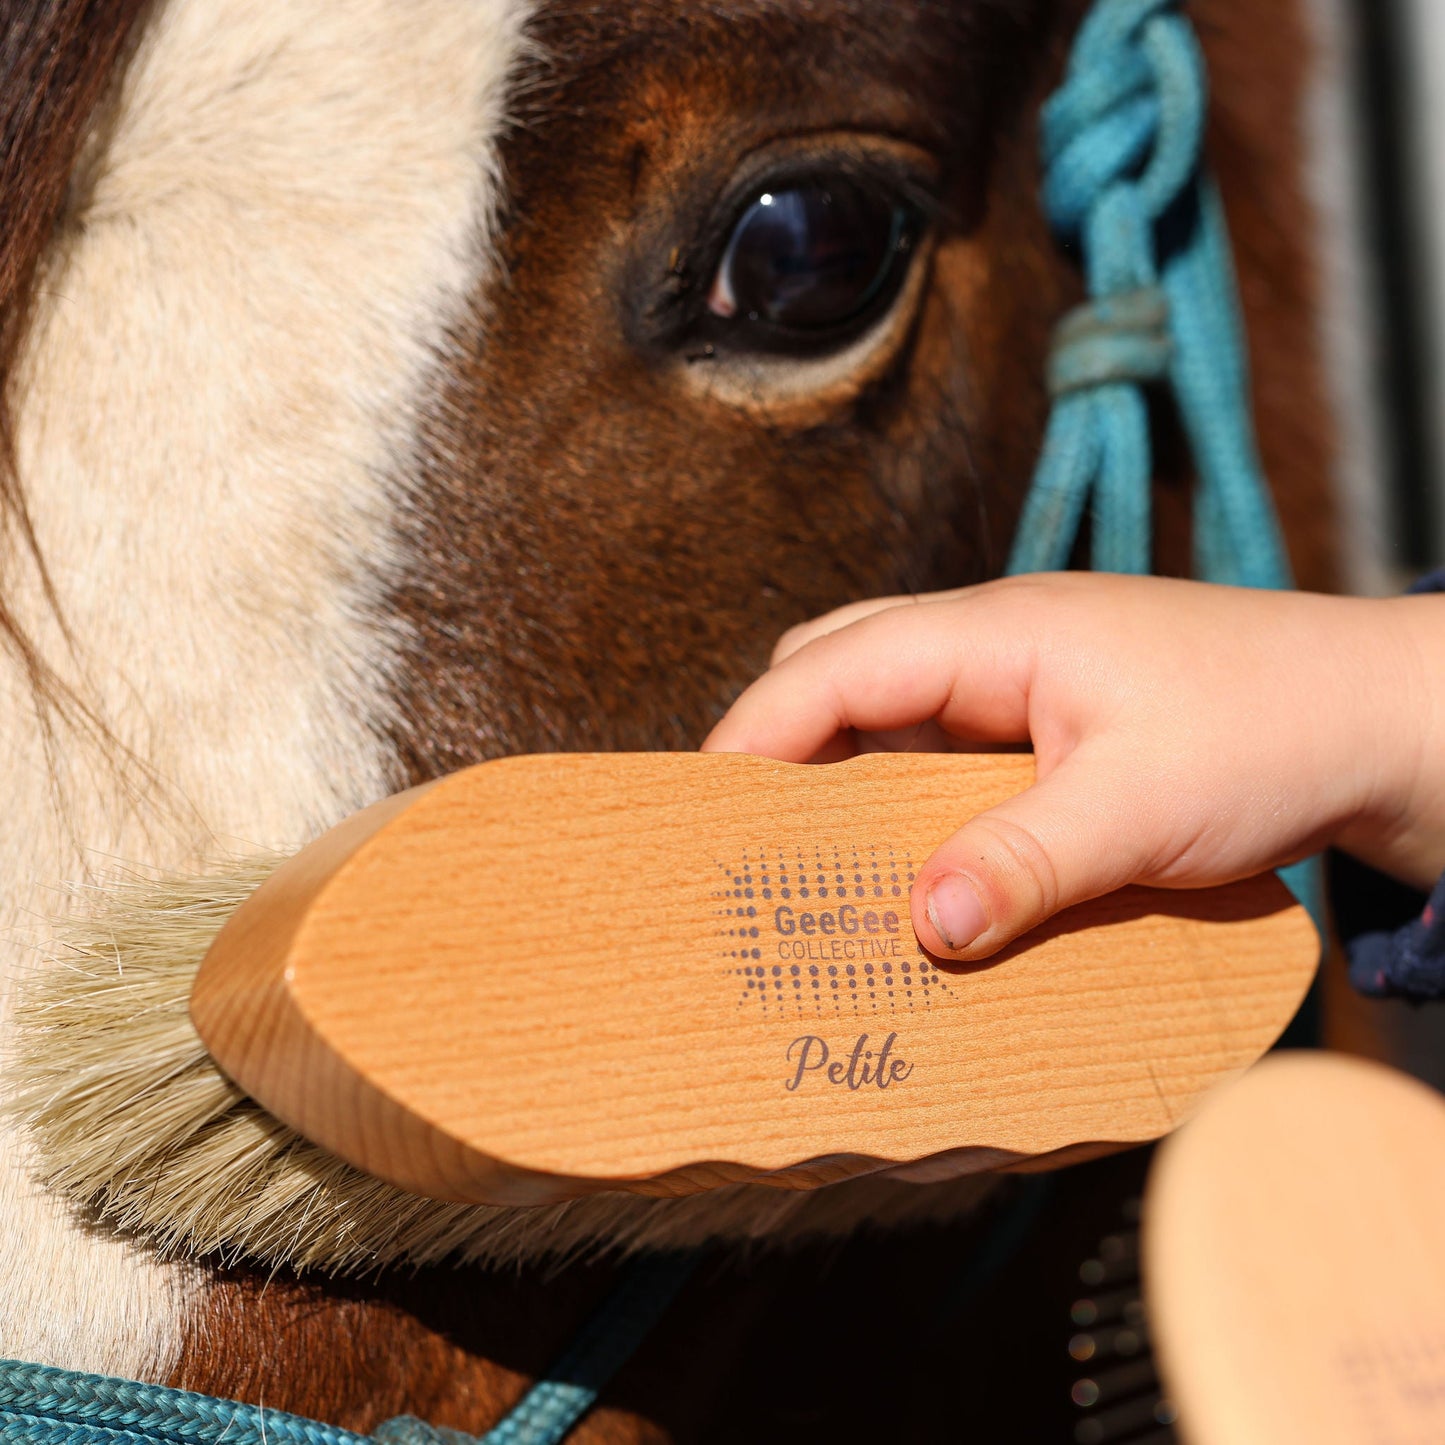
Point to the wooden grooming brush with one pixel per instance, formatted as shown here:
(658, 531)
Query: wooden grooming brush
(549, 976)
(552, 975)
(1293, 1268)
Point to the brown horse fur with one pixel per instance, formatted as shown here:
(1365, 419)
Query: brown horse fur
(594, 534)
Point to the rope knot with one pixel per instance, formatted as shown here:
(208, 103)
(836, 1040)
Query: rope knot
(1130, 112)
(1118, 338)
(1123, 142)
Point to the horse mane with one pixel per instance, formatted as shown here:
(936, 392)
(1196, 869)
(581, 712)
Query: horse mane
(57, 58)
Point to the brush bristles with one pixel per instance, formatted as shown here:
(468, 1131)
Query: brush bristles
(131, 1119)
(129, 1115)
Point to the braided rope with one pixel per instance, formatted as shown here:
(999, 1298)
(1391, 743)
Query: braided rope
(600, 1349)
(40, 1405)
(1122, 143)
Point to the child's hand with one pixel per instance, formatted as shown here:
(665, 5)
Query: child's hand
(1185, 734)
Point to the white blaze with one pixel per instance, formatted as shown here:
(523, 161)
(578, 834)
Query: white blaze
(281, 213)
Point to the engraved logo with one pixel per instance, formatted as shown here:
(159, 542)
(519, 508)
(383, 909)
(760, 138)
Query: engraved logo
(813, 932)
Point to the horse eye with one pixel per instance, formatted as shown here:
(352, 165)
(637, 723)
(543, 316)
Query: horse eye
(812, 257)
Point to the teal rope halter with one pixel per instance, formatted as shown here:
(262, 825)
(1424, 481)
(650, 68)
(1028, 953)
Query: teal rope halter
(44, 1406)
(1122, 143)
(1124, 182)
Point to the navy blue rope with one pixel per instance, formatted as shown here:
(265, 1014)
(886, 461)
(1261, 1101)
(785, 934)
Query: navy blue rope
(40, 1405)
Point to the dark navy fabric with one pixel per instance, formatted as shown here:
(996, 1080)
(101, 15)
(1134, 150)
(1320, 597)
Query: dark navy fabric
(1394, 937)
(1406, 963)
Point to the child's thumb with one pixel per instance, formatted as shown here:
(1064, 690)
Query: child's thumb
(1009, 869)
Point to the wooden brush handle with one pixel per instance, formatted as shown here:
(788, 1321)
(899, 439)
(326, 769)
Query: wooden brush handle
(662, 972)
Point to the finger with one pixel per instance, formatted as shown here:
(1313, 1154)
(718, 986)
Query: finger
(1079, 833)
(798, 637)
(948, 662)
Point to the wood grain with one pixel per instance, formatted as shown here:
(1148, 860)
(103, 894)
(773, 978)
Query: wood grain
(1292, 1260)
(550, 975)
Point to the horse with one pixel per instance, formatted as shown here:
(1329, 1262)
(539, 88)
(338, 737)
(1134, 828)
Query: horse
(390, 387)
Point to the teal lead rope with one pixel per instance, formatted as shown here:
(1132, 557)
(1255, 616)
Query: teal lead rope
(607, 1341)
(1124, 183)
(1122, 141)
(44, 1406)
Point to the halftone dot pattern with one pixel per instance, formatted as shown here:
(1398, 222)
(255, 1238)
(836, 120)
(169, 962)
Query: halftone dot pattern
(797, 976)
